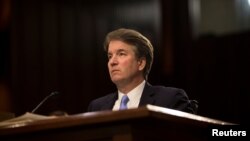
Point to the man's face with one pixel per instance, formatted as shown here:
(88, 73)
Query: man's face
(123, 64)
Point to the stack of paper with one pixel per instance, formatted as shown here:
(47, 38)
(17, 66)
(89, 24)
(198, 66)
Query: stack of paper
(23, 120)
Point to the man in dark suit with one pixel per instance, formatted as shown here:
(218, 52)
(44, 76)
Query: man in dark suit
(130, 57)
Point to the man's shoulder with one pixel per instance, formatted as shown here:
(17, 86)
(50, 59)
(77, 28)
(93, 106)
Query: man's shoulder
(102, 103)
(106, 97)
(163, 88)
(165, 91)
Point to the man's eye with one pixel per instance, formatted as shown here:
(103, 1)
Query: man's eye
(121, 54)
(109, 56)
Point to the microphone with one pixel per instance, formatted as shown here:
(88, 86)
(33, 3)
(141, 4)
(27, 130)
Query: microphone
(44, 100)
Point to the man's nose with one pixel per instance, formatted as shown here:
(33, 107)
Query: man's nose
(113, 61)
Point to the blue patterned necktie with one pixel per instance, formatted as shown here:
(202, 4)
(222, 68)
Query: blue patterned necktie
(124, 102)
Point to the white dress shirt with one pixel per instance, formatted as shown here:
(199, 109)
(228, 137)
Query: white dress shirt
(134, 97)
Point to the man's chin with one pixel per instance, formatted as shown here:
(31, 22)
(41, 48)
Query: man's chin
(117, 80)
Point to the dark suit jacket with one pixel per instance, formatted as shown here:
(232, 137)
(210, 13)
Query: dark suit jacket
(168, 97)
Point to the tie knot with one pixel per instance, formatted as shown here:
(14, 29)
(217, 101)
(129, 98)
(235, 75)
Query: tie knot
(125, 99)
(124, 102)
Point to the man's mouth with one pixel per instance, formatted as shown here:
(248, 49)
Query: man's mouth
(114, 71)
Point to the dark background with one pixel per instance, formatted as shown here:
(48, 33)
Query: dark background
(57, 45)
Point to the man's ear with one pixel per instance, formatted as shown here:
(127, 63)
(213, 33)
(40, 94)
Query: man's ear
(142, 63)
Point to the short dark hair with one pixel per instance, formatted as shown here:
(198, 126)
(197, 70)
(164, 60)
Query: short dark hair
(143, 47)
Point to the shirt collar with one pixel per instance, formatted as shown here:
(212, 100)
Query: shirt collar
(134, 93)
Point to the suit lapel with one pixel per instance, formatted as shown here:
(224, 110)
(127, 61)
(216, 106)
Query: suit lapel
(109, 103)
(146, 98)
(147, 95)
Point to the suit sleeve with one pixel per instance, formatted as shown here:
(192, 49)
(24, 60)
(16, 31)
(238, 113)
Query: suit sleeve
(182, 102)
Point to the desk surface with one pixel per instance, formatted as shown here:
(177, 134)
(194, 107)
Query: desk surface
(147, 116)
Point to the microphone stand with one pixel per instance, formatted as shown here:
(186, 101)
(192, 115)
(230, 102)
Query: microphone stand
(44, 100)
